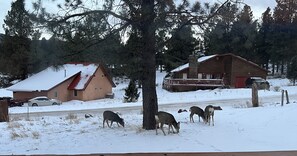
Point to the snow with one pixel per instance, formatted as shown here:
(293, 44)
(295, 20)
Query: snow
(51, 77)
(238, 127)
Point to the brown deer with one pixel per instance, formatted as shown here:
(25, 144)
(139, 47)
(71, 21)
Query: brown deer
(113, 117)
(209, 113)
(198, 111)
(168, 119)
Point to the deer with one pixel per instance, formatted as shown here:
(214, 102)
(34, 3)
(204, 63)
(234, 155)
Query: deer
(196, 110)
(209, 113)
(113, 117)
(168, 119)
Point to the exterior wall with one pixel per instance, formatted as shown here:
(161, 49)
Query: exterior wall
(28, 95)
(98, 87)
(228, 67)
(61, 91)
(243, 70)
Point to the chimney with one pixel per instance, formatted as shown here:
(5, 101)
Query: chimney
(193, 66)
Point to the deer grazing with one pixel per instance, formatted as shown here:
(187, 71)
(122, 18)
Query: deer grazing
(168, 119)
(209, 113)
(196, 110)
(113, 117)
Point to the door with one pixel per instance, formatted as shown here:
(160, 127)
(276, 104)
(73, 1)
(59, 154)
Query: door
(240, 82)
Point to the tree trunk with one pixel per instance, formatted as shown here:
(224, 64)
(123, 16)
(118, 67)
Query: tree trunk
(147, 27)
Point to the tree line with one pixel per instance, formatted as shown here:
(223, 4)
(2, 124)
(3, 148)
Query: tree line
(134, 38)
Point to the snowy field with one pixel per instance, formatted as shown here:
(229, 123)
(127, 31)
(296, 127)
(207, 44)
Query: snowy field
(238, 127)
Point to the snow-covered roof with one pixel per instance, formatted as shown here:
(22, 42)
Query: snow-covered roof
(201, 59)
(50, 77)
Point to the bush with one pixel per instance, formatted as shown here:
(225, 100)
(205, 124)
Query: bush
(131, 92)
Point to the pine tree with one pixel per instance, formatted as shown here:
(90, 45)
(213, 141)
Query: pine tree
(292, 70)
(181, 45)
(263, 45)
(217, 37)
(243, 34)
(146, 16)
(16, 44)
(131, 92)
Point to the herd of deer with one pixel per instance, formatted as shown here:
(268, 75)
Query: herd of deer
(166, 118)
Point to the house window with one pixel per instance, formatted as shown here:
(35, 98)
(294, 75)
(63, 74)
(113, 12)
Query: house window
(199, 75)
(56, 94)
(208, 76)
(75, 92)
(184, 75)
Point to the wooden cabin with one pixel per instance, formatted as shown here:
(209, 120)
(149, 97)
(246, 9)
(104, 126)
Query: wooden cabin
(215, 71)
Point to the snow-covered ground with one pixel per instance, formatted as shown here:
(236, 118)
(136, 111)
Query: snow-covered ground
(238, 127)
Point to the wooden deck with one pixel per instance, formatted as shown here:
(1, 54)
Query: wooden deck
(191, 84)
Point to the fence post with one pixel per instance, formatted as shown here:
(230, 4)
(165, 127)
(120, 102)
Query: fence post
(255, 100)
(287, 97)
(4, 111)
(282, 100)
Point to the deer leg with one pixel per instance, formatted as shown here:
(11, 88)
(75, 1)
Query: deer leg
(169, 128)
(107, 123)
(103, 123)
(111, 123)
(162, 128)
(212, 120)
(191, 117)
(173, 129)
(157, 125)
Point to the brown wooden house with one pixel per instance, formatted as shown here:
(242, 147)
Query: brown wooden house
(74, 81)
(209, 72)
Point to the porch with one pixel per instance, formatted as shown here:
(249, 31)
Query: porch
(179, 85)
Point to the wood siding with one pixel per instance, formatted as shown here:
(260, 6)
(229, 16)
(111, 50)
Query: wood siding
(233, 70)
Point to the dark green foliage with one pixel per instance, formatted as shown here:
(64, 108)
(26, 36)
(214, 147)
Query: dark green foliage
(181, 45)
(292, 70)
(217, 37)
(243, 34)
(15, 54)
(131, 92)
(131, 57)
(263, 45)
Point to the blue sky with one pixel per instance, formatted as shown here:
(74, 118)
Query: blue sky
(258, 7)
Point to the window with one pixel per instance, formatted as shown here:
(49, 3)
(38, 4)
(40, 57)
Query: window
(199, 75)
(56, 94)
(75, 92)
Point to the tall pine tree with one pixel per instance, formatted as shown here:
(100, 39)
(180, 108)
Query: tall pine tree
(16, 44)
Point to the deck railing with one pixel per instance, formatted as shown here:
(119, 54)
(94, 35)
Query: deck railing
(169, 83)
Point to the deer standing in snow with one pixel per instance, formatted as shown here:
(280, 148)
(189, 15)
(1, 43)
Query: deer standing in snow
(209, 113)
(168, 119)
(113, 117)
(196, 110)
